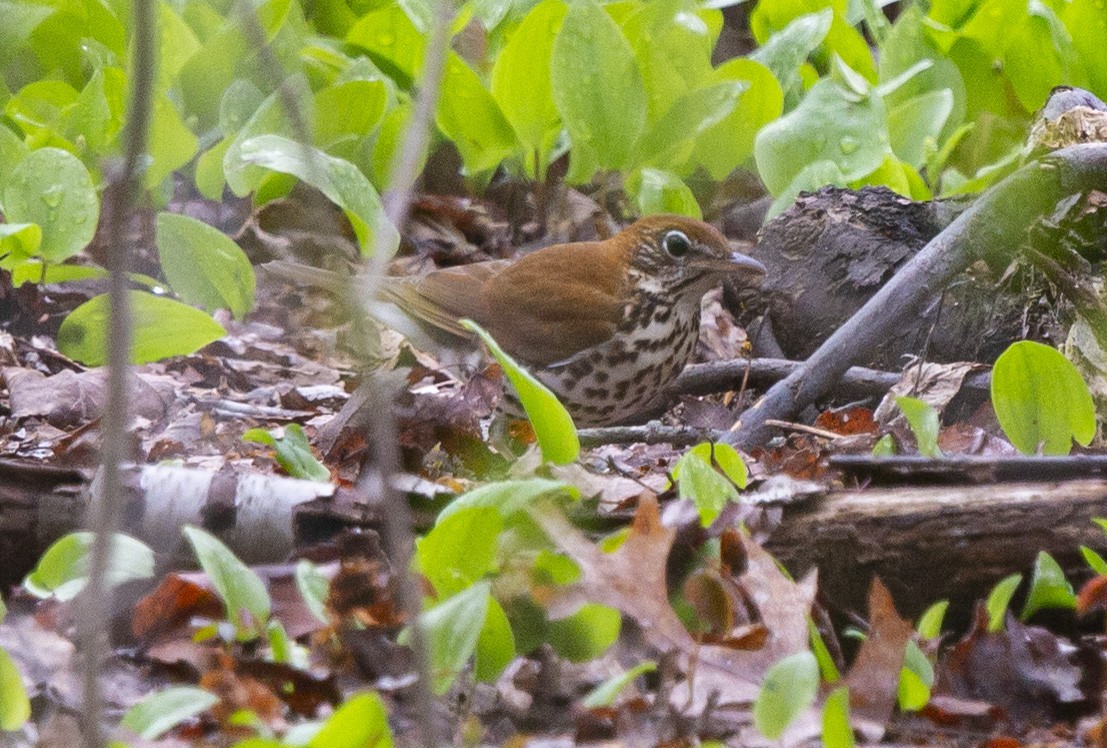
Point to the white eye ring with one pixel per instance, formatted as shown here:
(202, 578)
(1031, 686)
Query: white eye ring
(676, 243)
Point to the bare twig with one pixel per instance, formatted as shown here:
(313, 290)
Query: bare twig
(105, 513)
(992, 228)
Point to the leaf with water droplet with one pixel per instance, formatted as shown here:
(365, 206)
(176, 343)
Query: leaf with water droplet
(52, 188)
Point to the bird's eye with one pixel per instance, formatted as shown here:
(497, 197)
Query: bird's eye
(676, 243)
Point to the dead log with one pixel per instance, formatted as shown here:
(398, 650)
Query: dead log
(929, 543)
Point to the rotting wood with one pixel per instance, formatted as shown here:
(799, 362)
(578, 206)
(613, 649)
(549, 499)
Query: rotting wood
(929, 543)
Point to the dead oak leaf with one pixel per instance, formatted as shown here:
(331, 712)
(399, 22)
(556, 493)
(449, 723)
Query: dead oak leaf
(633, 580)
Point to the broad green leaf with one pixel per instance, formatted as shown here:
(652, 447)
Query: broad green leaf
(18, 243)
(62, 572)
(459, 550)
(20, 19)
(336, 178)
(729, 143)
(242, 590)
(885, 446)
(597, 86)
(700, 483)
(916, 121)
(1041, 400)
(360, 722)
(930, 622)
(394, 38)
(52, 188)
(161, 711)
(12, 150)
(452, 630)
(837, 730)
(923, 420)
(852, 136)
(270, 118)
(1096, 561)
(15, 707)
(176, 44)
(811, 178)
(347, 112)
(1048, 587)
(1033, 76)
(471, 118)
(209, 171)
(204, 266)
(586, 634)
(672, 46)
(521, 80)
(553, 426)
(786, 50)
(314, 588)
(495, 645)
(605, 693)
(669, 140)
(292, 452)
(789, 688)
(659, 191)
(162, 328)
(172, 144)
(1087, 23)
(999, 599)
(915, 679)
(509, 496)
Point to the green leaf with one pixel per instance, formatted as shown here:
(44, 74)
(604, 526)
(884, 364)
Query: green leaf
(360, 722)
(597, 86)
(53, 189)
(204, 266)
(393, 37)
(789, 688)
(586, 634)
(1096, 561)
(553, 426)
(172, 144)
(15, 707)
(34, 271)
(915, 679)
(700, 483)
(923, 420)
(348, 111)
(18, 243)
(63, 569)
(930, 622)
(471, 118)
(1048, 587)
(314, 588)
(659, 191)
(241, 589)
(509, 496)
(162, 328)
(495, 646)
(837, 731)
(605, 693)
(786, 50)
(1086, 23)
(729, 143)
(521, 79)
(1041, 400)
(336, 178)
(999, 599)
(852, 136)
(828, 669)
(459, 550)
(292, 452)
(161, 711)
(668, 141)
(916, 121)
(885, 446)
(452, 630)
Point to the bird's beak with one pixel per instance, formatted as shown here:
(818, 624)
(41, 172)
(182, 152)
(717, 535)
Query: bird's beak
(737, 264)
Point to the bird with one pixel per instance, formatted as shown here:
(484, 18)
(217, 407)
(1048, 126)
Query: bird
(606, 325)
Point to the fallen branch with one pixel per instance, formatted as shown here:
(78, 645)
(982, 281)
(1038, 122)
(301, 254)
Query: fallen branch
(991, 229)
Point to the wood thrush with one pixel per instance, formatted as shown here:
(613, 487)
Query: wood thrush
(606, 325)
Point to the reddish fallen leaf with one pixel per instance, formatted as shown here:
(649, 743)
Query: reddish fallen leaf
(1093, 596)
(172, 604)
(237, 692)
(873, 679)
(950, 711)
(848, 421)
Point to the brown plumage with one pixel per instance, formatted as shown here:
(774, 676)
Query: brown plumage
(606, 325)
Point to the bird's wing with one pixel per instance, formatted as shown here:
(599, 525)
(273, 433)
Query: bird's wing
(551, 305)
(442, 297)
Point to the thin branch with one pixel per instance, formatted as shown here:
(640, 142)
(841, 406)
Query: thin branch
(105, 513)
